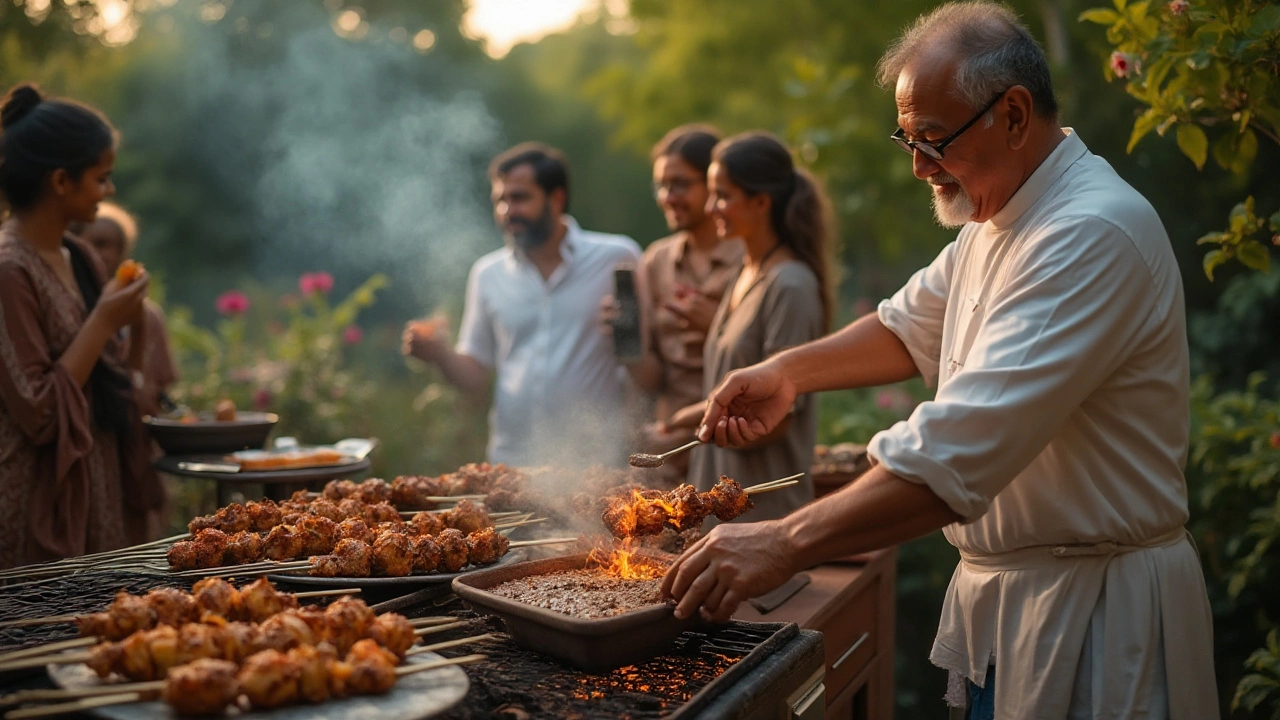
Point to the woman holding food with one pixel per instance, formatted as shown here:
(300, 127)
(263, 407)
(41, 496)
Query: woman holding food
(778, 300)
(72, 450)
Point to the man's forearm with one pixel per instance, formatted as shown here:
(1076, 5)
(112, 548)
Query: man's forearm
(863, 354)
(878, 510)
(464, 372)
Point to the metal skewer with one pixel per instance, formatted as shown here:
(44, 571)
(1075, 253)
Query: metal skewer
(647, 460)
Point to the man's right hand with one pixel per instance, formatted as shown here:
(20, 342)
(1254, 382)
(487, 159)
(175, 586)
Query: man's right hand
(427, 340)
(747, 405)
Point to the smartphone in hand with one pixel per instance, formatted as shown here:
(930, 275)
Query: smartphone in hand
(626, 326)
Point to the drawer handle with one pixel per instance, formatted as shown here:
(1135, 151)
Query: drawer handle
(854, 648)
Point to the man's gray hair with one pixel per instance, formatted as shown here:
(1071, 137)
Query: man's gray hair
(994, 51)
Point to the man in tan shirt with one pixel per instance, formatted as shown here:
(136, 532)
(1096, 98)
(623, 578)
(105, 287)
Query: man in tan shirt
(686, 273)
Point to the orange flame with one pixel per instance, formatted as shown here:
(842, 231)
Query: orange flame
(624, 563)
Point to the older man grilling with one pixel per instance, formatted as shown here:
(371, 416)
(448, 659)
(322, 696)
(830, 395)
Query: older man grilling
(1052, 453)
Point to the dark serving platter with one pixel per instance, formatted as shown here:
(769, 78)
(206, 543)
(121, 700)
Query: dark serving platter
(592, 644)
(248, 430)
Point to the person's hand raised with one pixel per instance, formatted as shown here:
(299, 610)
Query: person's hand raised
(428, 340)
(747, 405)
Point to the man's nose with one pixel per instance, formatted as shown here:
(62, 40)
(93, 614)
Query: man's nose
(923, 166)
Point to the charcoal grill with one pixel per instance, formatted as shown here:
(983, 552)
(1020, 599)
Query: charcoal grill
(748, 671)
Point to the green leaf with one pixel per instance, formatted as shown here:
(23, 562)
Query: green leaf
(1246, 152)
(1101, 16)
(1275, 222)
(1254, 255)
(1212, 260)
(1145, 123)
(1193, 143)
(1214, 237)
(1267, 21)
(1224, 151)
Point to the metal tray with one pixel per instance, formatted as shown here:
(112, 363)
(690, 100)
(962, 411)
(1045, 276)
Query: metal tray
(591, 644)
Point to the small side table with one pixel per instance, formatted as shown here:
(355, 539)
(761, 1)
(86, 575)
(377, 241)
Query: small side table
(276, 484)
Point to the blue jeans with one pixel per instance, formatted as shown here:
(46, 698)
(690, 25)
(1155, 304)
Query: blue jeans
(982, 700)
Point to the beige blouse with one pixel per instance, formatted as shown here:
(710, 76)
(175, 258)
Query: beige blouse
(782, 310)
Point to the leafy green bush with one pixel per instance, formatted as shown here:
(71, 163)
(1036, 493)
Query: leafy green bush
(1205, 64)
(293, 366)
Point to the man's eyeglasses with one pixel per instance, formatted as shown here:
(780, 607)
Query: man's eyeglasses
(933, 150)
(673, 188)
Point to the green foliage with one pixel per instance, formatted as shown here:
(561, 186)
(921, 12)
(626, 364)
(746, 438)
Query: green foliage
(1234, 479)
(1262, 685)
(1205, 65)
(295, 368)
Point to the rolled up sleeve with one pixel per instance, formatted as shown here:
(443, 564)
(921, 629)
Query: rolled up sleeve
(1071, 307)
(917, 311)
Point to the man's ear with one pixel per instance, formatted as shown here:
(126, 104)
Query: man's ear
(559, 198)
(1019, 112)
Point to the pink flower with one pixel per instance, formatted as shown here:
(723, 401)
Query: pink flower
(317, 282)
(261, 399)
(1125, 64)
(1275, 440)
(352, 335)
(1177, 7)
(885, 399)
(232, 303)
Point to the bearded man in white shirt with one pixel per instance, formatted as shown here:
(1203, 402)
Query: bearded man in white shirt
(1052, 453)
(530, 324)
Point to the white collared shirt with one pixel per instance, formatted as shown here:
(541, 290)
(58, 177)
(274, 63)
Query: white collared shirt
(1056, 334)
(559, 393)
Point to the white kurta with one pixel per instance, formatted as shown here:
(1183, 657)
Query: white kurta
(1056, 335)
(559, 391)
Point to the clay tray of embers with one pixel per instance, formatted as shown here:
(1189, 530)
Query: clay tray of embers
(591, 644)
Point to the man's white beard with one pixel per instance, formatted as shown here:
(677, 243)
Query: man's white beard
(954, 211)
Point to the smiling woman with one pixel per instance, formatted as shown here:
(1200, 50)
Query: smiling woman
(503, 23)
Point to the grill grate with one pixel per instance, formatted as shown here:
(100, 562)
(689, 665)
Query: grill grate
(515, 683)
(84, 592)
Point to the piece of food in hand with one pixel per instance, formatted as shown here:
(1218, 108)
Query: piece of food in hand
(129, 271)
(225, 410)
(427, 328)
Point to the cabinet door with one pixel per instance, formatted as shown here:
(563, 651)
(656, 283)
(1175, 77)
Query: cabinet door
(849, 638)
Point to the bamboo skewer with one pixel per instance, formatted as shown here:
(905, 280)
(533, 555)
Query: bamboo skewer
(418, 650)
(547, 541)
(422, 632)
(774, 484)
(91, 700)
(48, 648)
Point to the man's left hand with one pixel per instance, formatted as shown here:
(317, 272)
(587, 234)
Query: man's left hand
(732, 563)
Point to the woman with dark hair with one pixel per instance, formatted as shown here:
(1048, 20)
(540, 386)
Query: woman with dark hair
(778, 300)
(72, 452)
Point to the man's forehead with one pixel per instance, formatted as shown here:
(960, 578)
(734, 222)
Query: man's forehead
(925, 95)
(521, 177)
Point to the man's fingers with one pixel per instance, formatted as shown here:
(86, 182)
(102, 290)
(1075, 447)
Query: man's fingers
(698, 590)
(691, 566)
(728, 606)
(712, 601)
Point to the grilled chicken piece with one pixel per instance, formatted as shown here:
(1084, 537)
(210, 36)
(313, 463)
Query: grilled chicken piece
(204, 687)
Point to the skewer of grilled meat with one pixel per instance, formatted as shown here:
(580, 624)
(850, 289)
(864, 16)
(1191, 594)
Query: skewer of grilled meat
(150, 654)
(314, 535)
(168, 606)
(271, 679)
(397, 555)
(647, 512)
